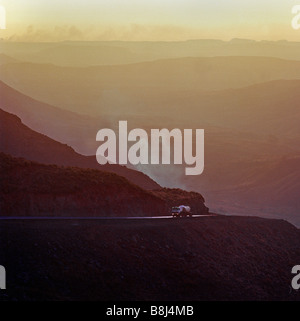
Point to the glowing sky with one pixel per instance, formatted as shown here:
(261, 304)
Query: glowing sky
(48, 20)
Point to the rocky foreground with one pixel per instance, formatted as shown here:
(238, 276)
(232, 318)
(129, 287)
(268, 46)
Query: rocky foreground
(206, 258)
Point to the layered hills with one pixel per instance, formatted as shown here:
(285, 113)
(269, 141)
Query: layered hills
(91, 53)
(39, 190)
(100, 90)
(21, 141)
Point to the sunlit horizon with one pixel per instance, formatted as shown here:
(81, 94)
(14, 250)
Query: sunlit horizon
(133, 20)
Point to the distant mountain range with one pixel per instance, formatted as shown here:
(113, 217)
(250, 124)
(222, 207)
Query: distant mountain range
(122, 89)
(85, 53)
(265, 110)
(5, 59)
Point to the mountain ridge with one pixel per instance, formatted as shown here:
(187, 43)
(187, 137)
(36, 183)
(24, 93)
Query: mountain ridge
(21, 141)
(101, 89)
(33, 189)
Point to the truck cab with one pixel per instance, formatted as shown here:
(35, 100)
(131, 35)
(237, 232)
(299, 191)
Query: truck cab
(181, 211)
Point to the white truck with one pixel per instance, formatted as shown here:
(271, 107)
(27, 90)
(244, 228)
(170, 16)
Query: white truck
(181, 211)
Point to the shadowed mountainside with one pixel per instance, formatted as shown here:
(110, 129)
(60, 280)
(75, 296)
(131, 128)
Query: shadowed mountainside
(76, 130)
(19, 140)
(34, 189)
(208, 258)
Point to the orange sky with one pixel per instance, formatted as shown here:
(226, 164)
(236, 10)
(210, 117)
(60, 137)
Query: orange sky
(30, 20)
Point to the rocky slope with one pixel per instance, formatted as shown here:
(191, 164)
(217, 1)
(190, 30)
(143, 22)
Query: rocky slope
(19, 140)
(33, 189)
(208, 258)
(64, 126)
